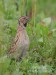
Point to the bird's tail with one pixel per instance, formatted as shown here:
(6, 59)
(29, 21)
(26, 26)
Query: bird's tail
(3, 58)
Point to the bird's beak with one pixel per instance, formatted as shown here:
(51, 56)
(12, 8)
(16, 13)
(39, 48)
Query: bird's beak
(27, 19)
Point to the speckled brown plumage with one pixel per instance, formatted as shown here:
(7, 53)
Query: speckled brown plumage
(21, 42)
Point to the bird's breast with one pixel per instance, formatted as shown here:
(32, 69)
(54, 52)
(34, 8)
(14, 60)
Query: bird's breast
(23, 40)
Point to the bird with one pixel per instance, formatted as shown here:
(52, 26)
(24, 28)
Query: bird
(21, 42)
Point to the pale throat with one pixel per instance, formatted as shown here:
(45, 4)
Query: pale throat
(21, 27)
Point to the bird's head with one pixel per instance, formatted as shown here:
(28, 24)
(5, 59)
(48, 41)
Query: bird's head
(23, 21)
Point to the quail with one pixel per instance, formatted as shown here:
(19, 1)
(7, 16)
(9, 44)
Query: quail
(21, 42)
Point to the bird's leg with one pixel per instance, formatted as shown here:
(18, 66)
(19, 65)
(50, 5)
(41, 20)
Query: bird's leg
(21, 55)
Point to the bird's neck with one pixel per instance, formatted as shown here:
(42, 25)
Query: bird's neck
(21, 28)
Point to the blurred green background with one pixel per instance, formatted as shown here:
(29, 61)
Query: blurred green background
(41, 58)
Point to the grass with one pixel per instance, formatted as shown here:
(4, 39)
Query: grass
(41, 57)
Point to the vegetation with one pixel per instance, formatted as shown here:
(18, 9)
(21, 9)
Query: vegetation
(41, 58)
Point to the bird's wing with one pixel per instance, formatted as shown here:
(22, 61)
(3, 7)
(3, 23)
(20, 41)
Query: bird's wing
(14, 45)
